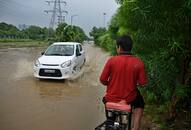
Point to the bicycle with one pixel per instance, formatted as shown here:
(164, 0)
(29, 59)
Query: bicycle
(122, 113)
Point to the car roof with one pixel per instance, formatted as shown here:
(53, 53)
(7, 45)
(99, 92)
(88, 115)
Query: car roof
(66, 43)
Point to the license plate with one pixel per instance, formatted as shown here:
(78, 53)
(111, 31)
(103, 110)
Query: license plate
(49, 71)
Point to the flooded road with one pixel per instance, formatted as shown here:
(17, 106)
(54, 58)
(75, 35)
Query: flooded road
(27, 103)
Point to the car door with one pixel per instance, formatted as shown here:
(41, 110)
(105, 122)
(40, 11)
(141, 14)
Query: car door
(78, 56)
(82, 54)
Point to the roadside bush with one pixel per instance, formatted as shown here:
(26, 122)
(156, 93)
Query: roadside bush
(96, 33)
(107, 43)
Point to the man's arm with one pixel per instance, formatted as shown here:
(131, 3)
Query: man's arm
(142, 78)
(104, 78)
(104, 82)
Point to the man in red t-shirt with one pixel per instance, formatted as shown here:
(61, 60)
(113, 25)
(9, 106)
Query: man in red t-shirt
(121, 75)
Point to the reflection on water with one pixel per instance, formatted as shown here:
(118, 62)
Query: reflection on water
(50, 88)
(56, 88)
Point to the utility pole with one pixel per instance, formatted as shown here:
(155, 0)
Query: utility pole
(56, 12)
(104, 20)
(72, 18)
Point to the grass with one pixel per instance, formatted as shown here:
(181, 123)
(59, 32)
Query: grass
(157, 116)
(5, 40)
(21, 43)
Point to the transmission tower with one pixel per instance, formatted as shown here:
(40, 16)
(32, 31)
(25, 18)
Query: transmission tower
(57, 13)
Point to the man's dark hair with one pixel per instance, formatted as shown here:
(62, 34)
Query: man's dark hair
(125, 42)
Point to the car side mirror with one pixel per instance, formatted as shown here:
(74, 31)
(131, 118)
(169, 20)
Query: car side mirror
(42, 53)
(78, 54)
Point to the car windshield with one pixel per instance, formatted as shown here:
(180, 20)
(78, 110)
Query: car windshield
(60, 50)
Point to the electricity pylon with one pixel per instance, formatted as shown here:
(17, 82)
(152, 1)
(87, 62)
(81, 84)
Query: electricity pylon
(56, 12)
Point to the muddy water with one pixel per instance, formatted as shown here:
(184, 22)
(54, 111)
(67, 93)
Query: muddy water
(27, 103)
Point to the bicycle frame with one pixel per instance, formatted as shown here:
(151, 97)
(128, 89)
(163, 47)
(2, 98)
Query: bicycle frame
(121, 120)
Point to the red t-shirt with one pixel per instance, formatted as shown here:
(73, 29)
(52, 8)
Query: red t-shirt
(122, 74)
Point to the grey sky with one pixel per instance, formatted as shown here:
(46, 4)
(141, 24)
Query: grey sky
(31, 12)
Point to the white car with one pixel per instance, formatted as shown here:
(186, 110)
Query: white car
(60, 61)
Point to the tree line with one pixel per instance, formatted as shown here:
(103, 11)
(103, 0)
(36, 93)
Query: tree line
(161, 31)
(63, 32)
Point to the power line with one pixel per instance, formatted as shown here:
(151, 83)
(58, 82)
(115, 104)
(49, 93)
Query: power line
(56, 12)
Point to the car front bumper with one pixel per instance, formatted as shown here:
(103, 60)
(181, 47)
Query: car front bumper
(52, 72)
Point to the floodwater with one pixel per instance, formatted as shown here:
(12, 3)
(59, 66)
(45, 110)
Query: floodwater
(27, 103)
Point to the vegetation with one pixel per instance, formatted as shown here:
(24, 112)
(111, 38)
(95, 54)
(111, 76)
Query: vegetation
(38, 33)
(96, 33)
(9, 31)
(102, 38)
(64, 32)
(161, 34)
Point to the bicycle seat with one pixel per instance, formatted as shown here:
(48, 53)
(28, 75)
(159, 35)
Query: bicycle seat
(121, 106)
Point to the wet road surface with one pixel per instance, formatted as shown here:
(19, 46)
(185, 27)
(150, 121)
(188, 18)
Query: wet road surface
(27, 103)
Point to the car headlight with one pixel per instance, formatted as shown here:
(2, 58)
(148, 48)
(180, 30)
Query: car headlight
(66, 64)
(37, 63)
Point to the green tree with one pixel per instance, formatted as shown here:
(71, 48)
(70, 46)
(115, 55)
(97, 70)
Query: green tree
(34, 32)
(9, 31)
(96, 33)
(65, 32)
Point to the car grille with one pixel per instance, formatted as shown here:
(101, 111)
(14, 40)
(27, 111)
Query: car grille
(56, 73)
(50, 64)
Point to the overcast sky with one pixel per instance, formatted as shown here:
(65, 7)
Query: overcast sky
(31, 12)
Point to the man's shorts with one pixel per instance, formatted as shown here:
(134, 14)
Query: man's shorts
(137, 103)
